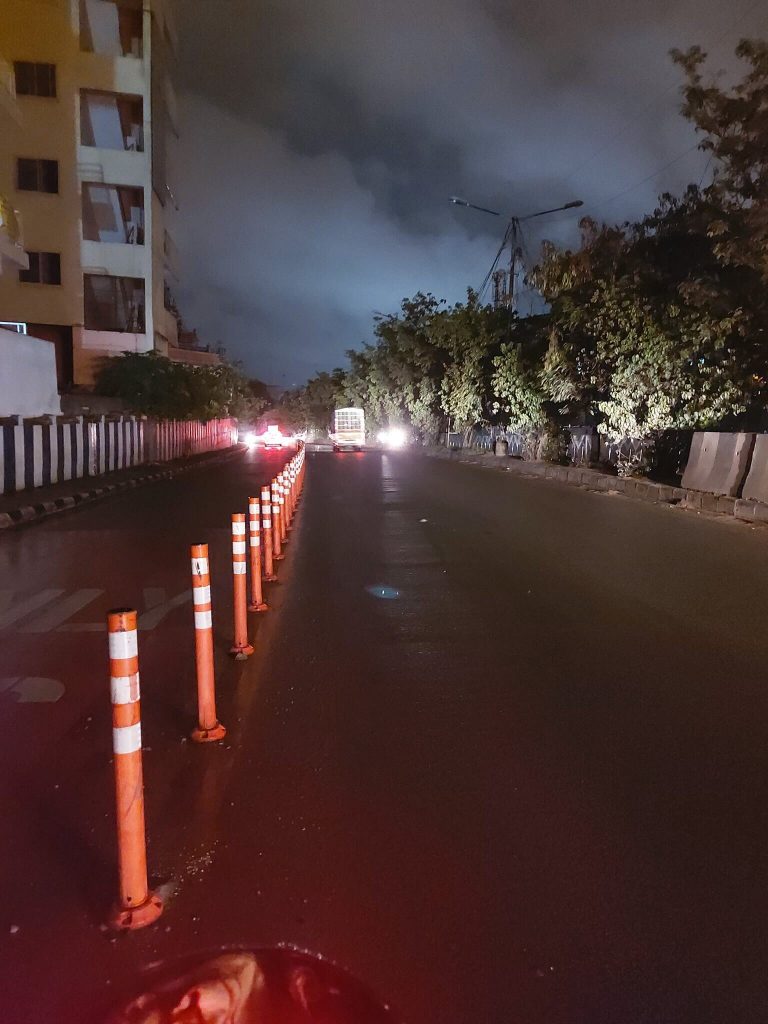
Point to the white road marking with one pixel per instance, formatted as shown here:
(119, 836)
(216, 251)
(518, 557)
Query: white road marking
(31, 604)
(33, 689)
(61, 611)
(156, 606)
(155, 615)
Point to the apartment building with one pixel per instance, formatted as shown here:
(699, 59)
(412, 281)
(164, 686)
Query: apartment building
(13, 256)
(86, 167)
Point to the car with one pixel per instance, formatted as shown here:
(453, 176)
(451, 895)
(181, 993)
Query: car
(271, 439)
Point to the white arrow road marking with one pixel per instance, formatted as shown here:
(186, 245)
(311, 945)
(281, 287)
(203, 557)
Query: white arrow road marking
(33, 689)
(17, 611)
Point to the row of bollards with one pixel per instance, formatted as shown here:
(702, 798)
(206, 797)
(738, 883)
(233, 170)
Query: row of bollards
(271, 517)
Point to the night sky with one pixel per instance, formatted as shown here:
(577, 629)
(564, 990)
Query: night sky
(321, 140)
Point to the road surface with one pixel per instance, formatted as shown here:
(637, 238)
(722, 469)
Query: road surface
(501, 750)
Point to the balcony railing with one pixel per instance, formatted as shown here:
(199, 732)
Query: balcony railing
(8, 90)
(11, 245)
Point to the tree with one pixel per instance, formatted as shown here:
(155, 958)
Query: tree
(152, 385)
(471, 336)
(650, 329)
(734, 123)
(311, 407)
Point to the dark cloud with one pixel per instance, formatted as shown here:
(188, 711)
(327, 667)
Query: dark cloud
(320, 142)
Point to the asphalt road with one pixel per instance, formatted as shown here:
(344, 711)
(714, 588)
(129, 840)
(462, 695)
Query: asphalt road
(501, 750)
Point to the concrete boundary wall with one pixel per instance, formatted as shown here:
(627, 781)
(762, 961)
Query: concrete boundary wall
(717, 462)
(48, 450)
(756, 484)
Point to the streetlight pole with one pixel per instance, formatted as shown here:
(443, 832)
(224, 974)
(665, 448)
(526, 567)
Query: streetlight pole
(512, 233)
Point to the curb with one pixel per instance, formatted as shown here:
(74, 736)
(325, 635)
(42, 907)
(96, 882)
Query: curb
(31, 513)
(748, 510)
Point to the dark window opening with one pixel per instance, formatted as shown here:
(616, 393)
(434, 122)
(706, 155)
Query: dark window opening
(44, 268)
(114, 303)
(113, 213)
(115, 29)
(35, 79)
(111, 120)
(37, 175)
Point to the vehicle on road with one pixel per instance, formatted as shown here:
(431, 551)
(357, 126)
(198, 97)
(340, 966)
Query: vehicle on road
(348, 430)
(393, 437)
(270, 439)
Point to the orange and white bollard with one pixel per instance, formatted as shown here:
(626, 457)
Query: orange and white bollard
(137, 906)
(281, 489)
(241, 648)
(254, 536)
(277, 532)
(281, 480)
(289, 492)
(266, 511)
(209, 728)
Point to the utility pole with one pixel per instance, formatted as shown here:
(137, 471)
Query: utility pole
(512, 236)
(514, 251)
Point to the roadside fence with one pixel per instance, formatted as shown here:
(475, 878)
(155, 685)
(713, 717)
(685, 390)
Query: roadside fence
(48, 450)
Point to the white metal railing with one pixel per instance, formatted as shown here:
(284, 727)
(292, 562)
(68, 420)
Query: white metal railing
(90, 172)
(7, 78)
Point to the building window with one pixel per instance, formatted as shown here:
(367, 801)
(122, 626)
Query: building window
(111, 120)
(114, 303)
(44, 268)
(113, 213)
(37, 175)
(114, 29)
(35, 79)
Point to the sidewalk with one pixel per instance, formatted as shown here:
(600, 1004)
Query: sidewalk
(30, 505)
(633, 487)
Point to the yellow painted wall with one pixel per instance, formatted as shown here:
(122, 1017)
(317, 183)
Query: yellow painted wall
(42, 31)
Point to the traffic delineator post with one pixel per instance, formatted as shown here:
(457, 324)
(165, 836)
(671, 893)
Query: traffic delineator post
(277, 532)
(254, 539)
(266, 511)
(208, 728)
(279, 480)
(283, 508)
(137, 906)
(241, 648)
(289, 495)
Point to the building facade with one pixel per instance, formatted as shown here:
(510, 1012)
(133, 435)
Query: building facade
(86, 167)
(13, 256)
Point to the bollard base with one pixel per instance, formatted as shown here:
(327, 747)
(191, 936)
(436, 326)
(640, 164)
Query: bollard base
(130, 918)
(271, 578)
(263, 607)
(241, 651)
(200, 735)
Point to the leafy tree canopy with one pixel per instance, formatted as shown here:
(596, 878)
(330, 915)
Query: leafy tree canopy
(152, 385)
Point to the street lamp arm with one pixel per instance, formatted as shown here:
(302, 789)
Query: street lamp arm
(568, 206)
(457, 201)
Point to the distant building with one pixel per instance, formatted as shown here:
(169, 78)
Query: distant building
(84, 161)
